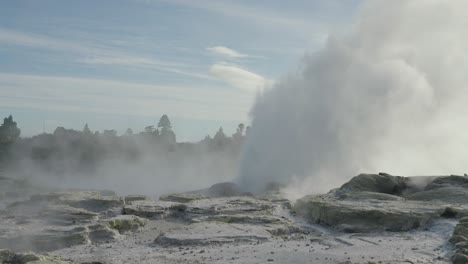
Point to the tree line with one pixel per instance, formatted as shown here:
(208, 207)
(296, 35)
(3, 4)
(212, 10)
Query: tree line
(83, 151)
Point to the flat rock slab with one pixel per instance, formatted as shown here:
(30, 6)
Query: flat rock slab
(152, 209)
(11, 257)
(371, 215)
(213, 233)
(231, 205)
(89, 200)
(40, 239)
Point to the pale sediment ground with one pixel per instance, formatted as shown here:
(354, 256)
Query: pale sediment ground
(223, 225)
(418, 246)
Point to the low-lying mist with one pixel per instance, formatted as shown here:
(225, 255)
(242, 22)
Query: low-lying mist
(146, 163)
(389, 96)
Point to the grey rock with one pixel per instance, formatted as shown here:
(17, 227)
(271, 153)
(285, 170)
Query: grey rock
(131, 198)
(152, 209)
(460, 258)
(212, 233)
(382, 202)
(11, 257)
(127, 223)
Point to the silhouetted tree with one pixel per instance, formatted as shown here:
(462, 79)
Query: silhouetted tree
(9, 130)
(220, 139)
(238, 136)
(86, 130)
(109, 133)
(164, 123)
(149, 129)
(129, 132)
(166, 133)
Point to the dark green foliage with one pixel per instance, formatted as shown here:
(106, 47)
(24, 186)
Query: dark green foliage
(164, 123)
(166, 134)
(86, 130)
(9, 131)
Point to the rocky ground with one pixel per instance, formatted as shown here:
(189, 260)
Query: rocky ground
(374, 218)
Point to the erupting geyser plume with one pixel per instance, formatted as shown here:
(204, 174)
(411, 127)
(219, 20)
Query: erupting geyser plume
(390, 96)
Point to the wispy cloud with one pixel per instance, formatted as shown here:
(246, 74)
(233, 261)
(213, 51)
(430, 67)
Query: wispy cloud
(73, 94)
(95, 53)
(261, 16)
(239, 77)
(27, 39)
(146, 63)
(226, 52)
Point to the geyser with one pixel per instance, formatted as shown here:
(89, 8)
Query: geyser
(389, 96)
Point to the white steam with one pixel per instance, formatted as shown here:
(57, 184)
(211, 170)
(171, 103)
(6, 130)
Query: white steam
(391, 96)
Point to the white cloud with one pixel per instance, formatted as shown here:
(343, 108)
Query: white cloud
(227, 52)
(240, 78)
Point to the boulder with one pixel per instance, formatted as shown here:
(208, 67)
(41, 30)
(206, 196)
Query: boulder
(379, 183)
(460, 258)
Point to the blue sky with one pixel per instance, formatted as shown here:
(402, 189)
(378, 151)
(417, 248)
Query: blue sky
(123, 63)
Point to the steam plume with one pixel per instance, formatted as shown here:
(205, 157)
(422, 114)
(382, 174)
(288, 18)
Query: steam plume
(390, 96)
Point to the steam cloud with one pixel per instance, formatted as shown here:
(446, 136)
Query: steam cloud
(390, 96)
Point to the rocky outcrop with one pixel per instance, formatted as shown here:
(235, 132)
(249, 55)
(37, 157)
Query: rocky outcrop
(220, 224)
(131, 198)
(55, 238)
(10, 257)
(153, 209)
(451, 189)
(377, 183)
(223, 189)
(227, 220)
(460, 240)
(182, 197)
(90, 200)
(58, 220)
(127, 223)
(382, 202)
